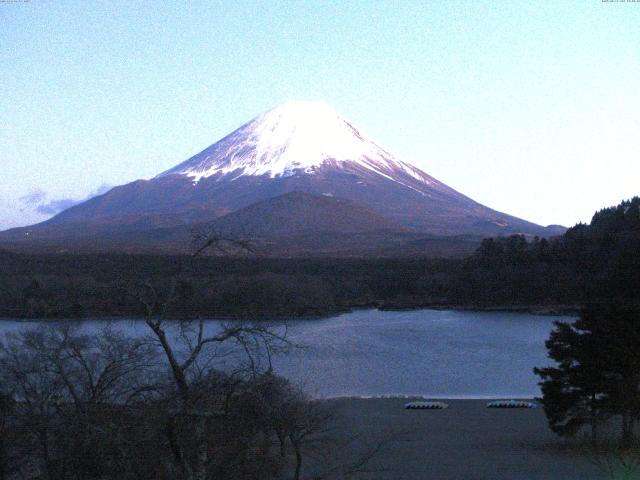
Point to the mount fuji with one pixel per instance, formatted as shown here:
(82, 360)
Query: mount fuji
(299, 178)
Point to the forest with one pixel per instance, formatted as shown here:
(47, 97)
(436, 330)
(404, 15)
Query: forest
(589, 263)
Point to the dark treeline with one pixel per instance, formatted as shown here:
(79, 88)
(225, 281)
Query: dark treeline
(589, 264)
(73, 286)
(505, 272)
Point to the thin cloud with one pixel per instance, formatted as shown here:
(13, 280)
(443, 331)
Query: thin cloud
(56, 206)
(35, 197)
(37, 201)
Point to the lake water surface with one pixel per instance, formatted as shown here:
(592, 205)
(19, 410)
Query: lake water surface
(435, 353)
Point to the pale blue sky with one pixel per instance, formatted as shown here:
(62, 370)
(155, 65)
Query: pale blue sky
(529, 107)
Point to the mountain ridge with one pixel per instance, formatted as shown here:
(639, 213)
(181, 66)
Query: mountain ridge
(296, 147)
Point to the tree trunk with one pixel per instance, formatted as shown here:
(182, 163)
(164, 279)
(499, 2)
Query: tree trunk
(202, 456)
(594, 421)
(627, 430)
(296, 475)
(178, 372)
(178, 454)
(4, 455)
(44, 442)
(3, 461)
(283, 448)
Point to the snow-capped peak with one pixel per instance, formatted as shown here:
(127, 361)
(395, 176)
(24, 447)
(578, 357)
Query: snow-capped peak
(297, 136)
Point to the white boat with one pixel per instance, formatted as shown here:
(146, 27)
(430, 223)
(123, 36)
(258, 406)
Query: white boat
(421, 405)
(511, 404)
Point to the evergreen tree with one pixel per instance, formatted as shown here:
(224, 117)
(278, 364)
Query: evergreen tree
(597, 373)
(572, 391)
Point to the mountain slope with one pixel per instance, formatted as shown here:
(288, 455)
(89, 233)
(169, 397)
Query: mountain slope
(296, 147)
(295, 224)
(298, 213)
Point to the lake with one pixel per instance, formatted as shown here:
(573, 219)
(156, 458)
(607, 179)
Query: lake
(434, 353)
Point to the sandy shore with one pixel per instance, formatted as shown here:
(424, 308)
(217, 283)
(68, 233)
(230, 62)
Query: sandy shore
(465, 442)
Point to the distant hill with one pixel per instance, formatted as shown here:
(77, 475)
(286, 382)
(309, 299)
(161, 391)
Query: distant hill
(299, 213)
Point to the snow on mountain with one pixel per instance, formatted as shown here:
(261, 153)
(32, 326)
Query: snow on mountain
(295, 137)
(299, 167)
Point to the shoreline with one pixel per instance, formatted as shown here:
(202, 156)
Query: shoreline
(453, 398)
(540, 310)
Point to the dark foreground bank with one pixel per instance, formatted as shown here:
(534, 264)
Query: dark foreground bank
(465, 441)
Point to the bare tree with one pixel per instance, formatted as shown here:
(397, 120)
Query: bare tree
(320, 447)
(305, 419)
(69, 393)
(190, 356)
(36, 392)
(192, 351)
(108, 368)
